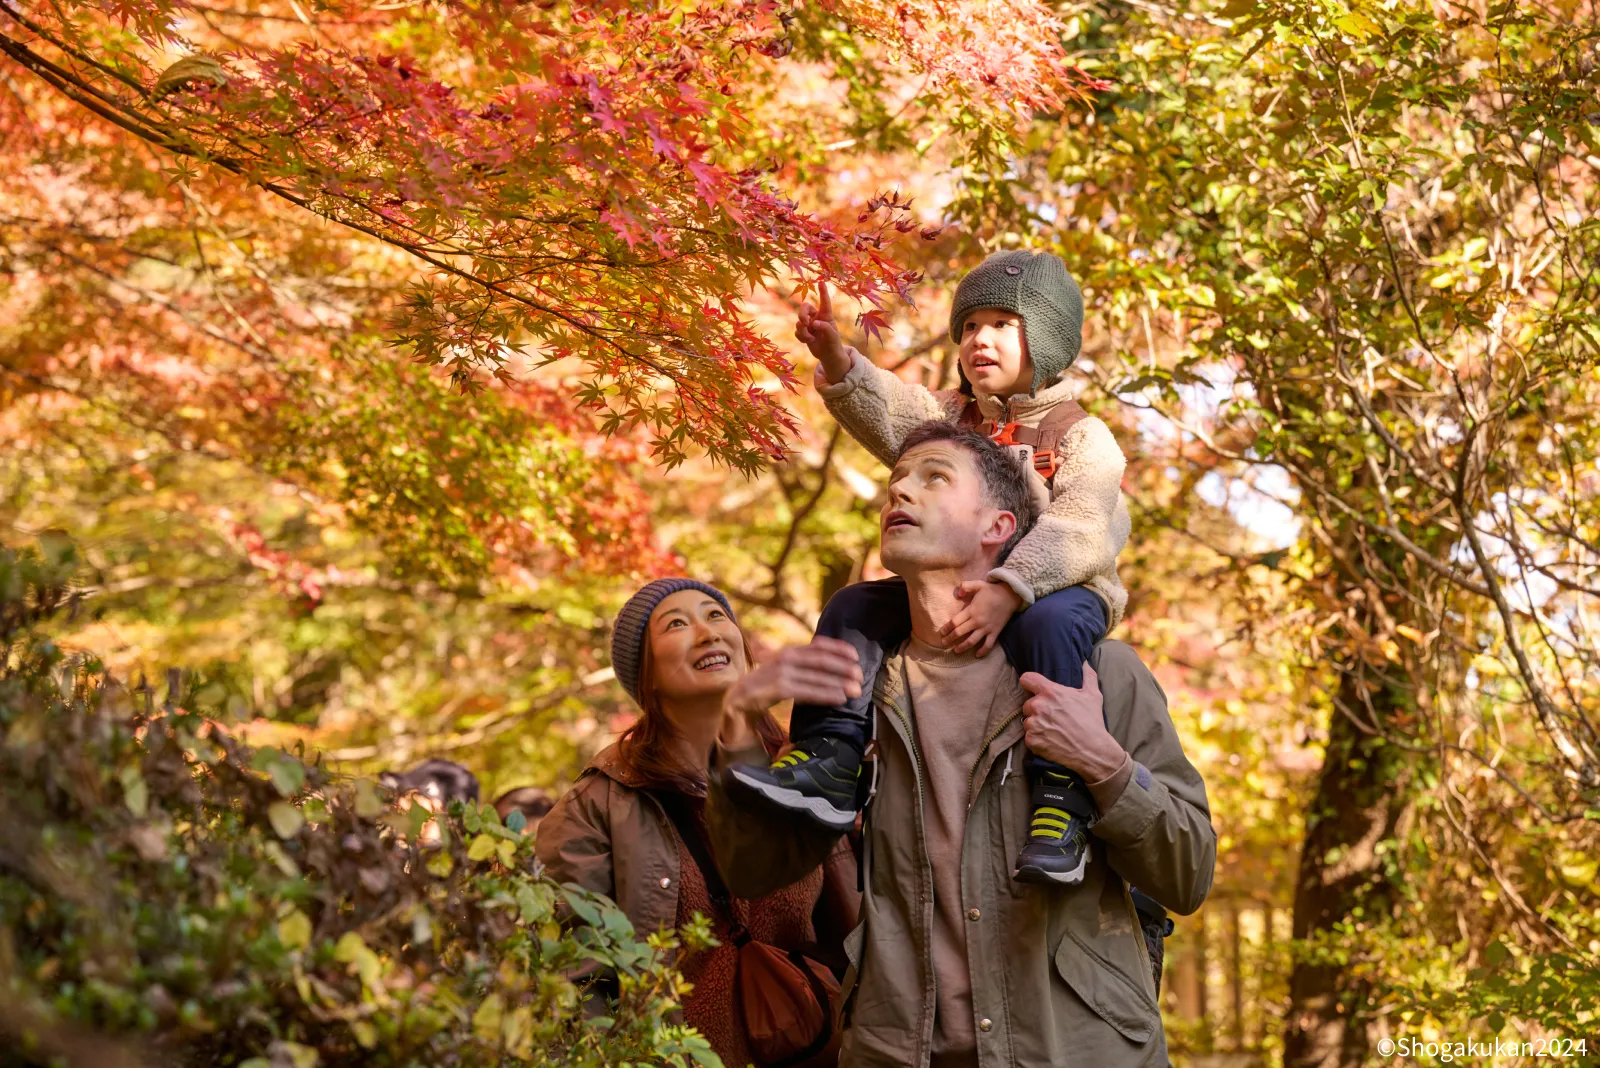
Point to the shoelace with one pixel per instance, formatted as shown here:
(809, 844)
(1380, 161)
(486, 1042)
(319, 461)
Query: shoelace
(1050, 822)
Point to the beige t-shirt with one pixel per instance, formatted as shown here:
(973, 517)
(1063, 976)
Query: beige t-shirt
(955, 702)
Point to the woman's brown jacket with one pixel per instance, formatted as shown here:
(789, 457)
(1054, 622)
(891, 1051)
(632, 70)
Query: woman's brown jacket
(609, 835)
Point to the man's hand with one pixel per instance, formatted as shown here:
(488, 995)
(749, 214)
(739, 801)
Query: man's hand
(826, 672)
(1066, 726)
(816, 329)
(990, 605)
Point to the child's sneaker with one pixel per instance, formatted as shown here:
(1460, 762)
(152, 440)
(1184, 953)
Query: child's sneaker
(817, 780)
(1057, 852)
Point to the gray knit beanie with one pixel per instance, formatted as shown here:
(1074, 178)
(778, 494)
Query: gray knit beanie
(627, 637)
(1036, 286)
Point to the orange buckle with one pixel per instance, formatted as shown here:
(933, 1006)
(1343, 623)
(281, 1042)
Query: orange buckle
(1045, 463)
(1005, 435)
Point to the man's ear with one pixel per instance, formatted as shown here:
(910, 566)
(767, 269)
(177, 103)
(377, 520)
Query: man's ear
(999, 530)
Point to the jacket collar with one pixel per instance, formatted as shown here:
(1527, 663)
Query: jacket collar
(1019, 407)
(613, 765)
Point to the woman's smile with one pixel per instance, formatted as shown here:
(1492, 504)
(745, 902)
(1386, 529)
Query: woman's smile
(713, 661)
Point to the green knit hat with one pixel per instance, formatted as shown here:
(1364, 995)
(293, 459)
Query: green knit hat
(1036, 286)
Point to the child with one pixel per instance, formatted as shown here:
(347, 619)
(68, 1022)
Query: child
(1018, 319)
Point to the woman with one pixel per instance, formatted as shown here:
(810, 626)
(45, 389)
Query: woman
(678, 651)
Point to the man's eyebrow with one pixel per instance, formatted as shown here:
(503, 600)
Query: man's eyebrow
(932, 458)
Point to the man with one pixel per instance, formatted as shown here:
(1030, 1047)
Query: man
(955, 963)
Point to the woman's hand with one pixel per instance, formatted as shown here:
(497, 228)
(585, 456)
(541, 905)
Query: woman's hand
(826, 672)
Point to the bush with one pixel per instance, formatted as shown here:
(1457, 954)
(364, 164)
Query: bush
(168, 896)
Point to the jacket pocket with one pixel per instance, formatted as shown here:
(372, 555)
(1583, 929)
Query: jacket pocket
(853, 943)
(1102, 986)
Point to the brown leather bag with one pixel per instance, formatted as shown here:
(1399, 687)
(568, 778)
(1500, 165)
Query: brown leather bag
(786, 1000)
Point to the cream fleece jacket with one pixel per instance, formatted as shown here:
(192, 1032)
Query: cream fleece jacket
(1076, 539)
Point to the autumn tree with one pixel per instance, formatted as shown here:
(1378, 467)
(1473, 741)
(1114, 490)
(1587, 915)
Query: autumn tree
(1362, 238)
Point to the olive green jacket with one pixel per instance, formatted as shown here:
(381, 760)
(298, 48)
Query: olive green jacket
(1060, 976)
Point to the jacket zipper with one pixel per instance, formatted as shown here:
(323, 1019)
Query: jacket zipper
(987, 742)
(916, 765)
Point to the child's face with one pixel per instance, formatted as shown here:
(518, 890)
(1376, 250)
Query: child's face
(994, 354)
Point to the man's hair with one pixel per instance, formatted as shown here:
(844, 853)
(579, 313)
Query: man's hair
(442, 780)
(1005, 481)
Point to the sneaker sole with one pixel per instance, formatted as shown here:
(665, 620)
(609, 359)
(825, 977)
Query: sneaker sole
(1031, 874)
(815, 808)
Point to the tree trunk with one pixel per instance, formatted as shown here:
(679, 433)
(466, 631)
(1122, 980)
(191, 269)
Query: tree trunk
(1361, 795)
(1236, 975)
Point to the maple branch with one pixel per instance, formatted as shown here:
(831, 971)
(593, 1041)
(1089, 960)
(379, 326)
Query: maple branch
(146, 128)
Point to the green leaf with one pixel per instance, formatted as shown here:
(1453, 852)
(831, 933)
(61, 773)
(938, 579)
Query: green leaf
(294, 930)
(416, 818)
(189, 72)
(482, 848)
(349, 947)
(369, 806)
(535, 902)
(579, 902)
(287, 775)
(366, 1034)
(135, 794)
(1578, 869)
(286, 819)
(487, 1020)
(441, 864)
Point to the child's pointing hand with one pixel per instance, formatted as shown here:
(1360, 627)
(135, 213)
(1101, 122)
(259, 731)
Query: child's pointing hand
(814, 327)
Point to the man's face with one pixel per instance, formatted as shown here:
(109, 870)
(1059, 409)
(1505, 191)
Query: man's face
(937, 516)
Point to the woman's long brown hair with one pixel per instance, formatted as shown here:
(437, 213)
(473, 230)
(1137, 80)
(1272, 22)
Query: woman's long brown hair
(647, 745)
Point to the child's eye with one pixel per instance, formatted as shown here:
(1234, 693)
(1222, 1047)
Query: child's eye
(716, 613)
(675, 623)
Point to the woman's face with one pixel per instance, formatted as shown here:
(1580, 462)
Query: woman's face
(696, 647)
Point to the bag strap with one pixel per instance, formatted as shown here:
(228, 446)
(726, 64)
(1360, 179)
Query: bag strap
(1057, 421)
(682, 816)
(1044, 437)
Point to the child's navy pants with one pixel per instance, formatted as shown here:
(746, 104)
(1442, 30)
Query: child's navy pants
(1054, 637)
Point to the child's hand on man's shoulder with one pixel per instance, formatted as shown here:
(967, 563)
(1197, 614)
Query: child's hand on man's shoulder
(990, 606)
